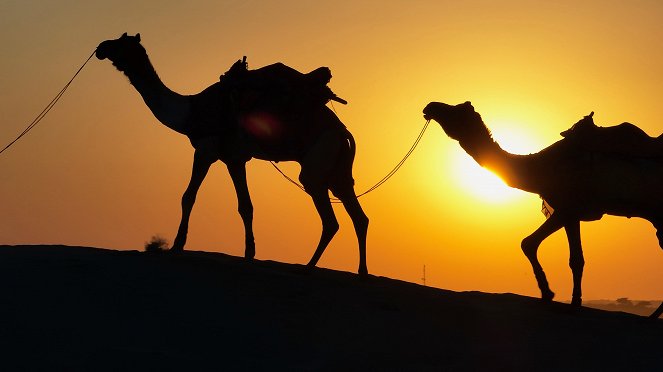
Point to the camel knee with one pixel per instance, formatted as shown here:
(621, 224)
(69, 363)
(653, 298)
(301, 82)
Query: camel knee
(330, 228)
(363, 222)
(529, 246)
(577, 264)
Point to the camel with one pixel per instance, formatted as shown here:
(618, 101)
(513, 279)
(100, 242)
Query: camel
(580, 184)
(313, 136)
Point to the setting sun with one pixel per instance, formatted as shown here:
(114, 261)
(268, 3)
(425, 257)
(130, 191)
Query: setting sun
(484, 184)
(481, 182)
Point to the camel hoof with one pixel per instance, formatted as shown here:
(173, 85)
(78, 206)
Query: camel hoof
(176, 249)
(250, 253)
(576, 301)
(547, 296)
(363, 271)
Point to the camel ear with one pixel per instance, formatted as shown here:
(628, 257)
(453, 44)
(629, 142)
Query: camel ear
(591, 114)
(138, 37)
(124, 35)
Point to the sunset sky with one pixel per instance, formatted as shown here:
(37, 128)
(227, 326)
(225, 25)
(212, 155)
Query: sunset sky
(101, 171)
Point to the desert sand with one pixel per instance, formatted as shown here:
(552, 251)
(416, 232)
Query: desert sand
(80, 308)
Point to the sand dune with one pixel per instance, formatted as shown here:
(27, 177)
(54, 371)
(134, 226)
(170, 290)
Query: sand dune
(77, 308)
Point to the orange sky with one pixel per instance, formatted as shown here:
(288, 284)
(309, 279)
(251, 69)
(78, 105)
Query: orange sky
(101, 171)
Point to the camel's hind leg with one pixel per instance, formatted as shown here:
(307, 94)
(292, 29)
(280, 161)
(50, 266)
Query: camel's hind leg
(329, 222)
(317, 166)
(530, 246)
(237, 172)
(576, 259)
(344, 190)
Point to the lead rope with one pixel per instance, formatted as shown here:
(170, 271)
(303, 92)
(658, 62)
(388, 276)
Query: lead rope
(48, 107)
(380, 182)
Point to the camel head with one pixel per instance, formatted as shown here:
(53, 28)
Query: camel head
(582, 128)
(459, 122)
(121, 51)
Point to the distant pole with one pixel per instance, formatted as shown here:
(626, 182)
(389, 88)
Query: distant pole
(423, 278)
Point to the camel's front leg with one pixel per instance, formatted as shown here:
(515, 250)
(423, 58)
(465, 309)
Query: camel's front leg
(530, 246)
(201, 164)
(244, 206)
(576, 259)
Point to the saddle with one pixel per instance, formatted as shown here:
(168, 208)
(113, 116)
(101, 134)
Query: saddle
(279, 87)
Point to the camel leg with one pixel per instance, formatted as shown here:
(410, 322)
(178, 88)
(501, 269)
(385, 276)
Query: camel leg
(530, 246)
(329, 222)
(576, 259)
(244, 206)
(359, 219)
(201, 164)
(317, 167)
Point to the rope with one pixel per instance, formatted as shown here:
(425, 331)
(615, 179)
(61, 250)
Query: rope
(380, 182)
(48, 107)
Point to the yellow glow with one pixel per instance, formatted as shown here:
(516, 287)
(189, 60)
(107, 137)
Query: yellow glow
(483, 183)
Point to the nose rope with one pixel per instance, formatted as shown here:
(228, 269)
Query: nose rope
(48, 107)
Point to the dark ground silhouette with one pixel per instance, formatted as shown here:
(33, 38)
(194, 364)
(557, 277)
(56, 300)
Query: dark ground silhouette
(74, 308)
(591, 172)
(639, 307)
(274, 113)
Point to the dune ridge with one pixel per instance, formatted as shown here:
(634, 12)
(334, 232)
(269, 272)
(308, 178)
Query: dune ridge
(82, 308)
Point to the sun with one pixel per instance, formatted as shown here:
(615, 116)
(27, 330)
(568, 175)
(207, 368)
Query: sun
(481, 182)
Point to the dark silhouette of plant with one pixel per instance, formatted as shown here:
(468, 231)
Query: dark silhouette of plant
(156, 244)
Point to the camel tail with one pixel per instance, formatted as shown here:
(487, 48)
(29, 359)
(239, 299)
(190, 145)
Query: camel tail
(352, 146)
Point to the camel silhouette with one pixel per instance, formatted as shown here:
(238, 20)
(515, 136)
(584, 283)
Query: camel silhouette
(220, 127)
(581, 179)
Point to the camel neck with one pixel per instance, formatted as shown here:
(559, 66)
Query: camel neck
(490, 155)
(170, 108)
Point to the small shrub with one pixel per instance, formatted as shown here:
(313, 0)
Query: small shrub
(156, 244)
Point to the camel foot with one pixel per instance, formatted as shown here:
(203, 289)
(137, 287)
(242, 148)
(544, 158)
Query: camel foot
(576, 301)
(249, 252)
(547, 296)
(176, 249)
(363, 271)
